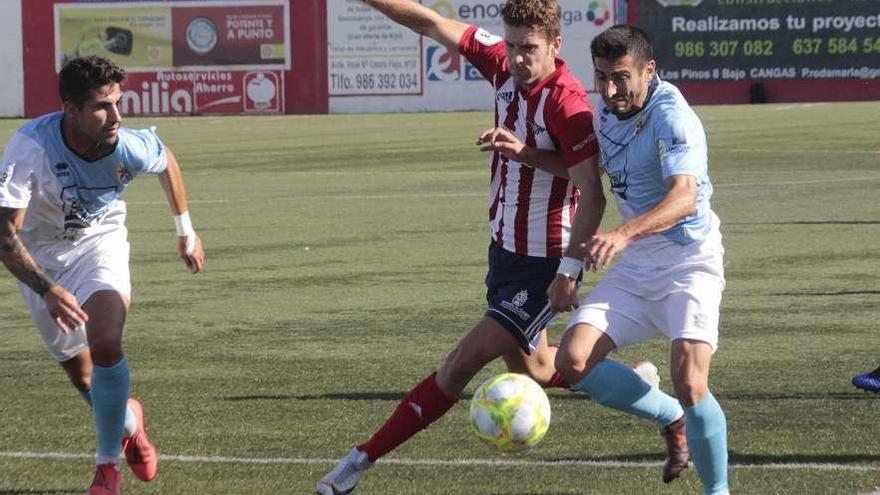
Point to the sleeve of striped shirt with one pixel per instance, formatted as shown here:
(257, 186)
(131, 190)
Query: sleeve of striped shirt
(571, 125)
(484, 51)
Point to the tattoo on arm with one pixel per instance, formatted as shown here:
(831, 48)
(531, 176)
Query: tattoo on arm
(18, 261)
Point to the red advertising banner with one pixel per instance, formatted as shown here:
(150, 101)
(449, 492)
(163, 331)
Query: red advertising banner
(256, 76)
(229, 35)
(203, 92)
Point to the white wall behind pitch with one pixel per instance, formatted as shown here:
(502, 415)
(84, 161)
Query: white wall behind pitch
(12, 80)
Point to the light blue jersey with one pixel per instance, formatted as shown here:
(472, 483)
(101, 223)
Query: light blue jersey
(70, 200)
(664, 139)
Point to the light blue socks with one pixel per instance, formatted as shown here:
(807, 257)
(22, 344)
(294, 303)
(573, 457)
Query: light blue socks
(707, 438)
(617, 386)
(130, 420)
(109, 397)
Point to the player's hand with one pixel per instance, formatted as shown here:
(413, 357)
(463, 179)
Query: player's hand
(563, 294)
(501, 140)
(64, 309)
(604, 246)
(190, 249)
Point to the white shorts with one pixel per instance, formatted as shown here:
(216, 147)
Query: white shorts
(633, 302)
(104, 268)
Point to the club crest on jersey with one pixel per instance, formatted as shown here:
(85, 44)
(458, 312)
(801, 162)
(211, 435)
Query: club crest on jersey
(122, 174)
(535, 129)
(661, 147)
(640, 122)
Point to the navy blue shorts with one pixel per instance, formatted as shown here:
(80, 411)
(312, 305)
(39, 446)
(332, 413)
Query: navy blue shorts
(517, 293)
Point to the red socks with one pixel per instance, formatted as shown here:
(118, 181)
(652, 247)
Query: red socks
(423, 405)
(557, 381)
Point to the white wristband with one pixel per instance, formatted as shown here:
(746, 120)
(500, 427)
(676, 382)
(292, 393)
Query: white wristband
(570, 267)
(185, 229)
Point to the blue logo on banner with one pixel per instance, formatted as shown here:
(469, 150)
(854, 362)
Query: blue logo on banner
(471, 73)
(442, 65)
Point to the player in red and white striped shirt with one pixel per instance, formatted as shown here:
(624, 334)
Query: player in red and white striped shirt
(544, 165)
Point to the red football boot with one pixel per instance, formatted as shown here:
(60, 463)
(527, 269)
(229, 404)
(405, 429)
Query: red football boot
(107, 481)
(139, 452)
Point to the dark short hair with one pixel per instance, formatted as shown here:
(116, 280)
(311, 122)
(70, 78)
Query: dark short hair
(621, 40)
(545, 15)
(81, 75)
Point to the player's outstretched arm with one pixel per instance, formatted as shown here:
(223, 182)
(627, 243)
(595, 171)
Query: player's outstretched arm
(422, 20)
(679, 202)
(189, 246)
(62, 305)
(590, 209)
(502, 140)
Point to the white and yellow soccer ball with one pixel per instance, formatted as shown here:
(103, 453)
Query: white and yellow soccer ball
(510, 412)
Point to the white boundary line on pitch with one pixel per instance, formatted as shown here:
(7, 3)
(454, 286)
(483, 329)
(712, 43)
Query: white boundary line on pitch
(306, 197)
(826, 466)
(803, 150)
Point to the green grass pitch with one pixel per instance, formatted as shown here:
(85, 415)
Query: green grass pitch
(346, 255)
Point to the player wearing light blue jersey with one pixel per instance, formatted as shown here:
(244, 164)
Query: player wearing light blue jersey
(63, 235)
(670, 276)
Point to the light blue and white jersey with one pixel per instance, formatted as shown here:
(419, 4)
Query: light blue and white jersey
(639, 153)
(70, 201)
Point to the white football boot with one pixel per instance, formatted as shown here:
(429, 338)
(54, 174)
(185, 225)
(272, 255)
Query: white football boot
(346, 474)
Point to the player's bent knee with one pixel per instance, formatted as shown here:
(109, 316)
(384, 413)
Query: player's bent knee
(106, 352)
(572, 366)
(691, 390)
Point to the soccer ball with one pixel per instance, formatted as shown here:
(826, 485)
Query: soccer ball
(510, 412)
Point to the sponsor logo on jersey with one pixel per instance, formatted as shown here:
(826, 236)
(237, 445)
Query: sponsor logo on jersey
(535, 129)
(505, 96)
(618, 183)
(61, 170)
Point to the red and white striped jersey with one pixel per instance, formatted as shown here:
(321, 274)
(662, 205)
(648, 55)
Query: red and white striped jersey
(530, 210)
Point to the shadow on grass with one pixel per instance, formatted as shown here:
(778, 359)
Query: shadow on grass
(838, 459)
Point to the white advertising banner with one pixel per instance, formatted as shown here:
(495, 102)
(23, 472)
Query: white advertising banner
(447, 81)
(12, 89)
(368, 54)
